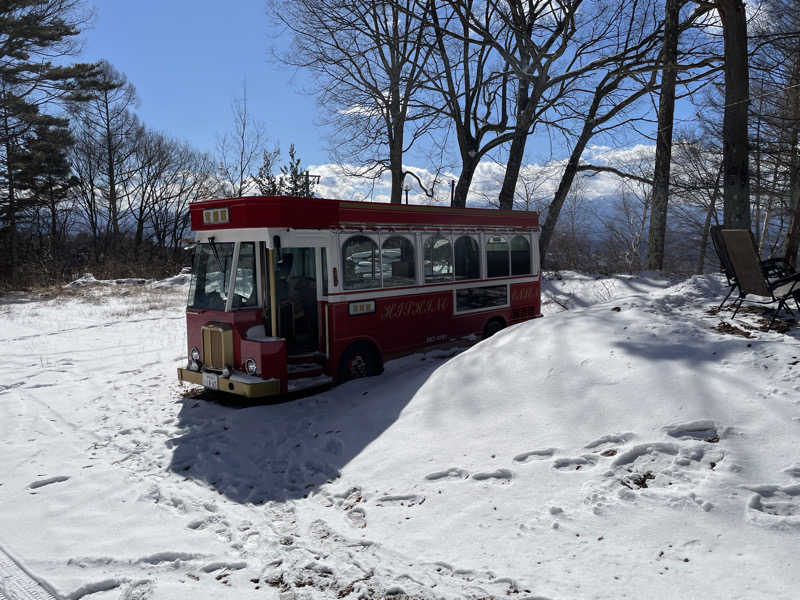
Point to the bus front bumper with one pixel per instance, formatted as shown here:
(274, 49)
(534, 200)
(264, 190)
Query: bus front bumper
(249, 387)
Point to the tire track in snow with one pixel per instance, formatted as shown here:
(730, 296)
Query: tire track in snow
(92, 326)
(16, 583)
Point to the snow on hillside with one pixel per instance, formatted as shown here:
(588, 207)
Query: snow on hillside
(627, 447)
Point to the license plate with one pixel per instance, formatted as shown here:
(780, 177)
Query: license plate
(211, 381)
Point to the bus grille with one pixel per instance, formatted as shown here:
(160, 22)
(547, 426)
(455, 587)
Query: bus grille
(217, 346)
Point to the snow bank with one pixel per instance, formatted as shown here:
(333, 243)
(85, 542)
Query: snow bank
(622, 448)
(181, 279)
(89, 279)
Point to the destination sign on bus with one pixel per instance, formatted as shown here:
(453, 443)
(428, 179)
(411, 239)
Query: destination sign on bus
(215, 216)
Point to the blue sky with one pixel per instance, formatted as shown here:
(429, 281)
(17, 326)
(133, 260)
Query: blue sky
(189, 58)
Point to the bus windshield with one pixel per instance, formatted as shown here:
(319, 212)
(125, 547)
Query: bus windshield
(211, 275)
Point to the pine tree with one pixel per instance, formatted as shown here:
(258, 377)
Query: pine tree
(295, 181)
(32, 34)
(266, 181)
(292, 181)
(45, 173)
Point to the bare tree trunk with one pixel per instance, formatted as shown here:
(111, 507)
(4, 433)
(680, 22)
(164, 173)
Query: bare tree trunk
(793, 235)
(111, 166)
(12, 211)
(736, 183)
(52, 205)
(701, 262)
(396, 155)
(469, 164)
(396, 167)
(564, 185)
(515, 154)
(666, 114)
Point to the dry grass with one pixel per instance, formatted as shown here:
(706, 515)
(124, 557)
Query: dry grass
(136, 298)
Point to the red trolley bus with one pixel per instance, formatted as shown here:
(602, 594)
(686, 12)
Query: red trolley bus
(289, 293)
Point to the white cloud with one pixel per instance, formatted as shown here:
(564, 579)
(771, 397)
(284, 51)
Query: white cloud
(540, 180)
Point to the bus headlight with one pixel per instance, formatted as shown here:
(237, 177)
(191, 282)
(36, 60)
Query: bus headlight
(195, 354)
(250, 366)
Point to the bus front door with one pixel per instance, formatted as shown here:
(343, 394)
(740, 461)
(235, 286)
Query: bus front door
(296, 299)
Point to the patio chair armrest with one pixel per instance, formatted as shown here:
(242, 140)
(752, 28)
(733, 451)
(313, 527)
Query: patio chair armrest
(793, 278)
(774, 260)
(775, 268)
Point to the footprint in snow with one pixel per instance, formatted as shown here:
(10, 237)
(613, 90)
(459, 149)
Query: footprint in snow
(138, 590)
(678, 467)
(612, 438)
(357, 517)
(402, 500)
(794, 470)
(501, 475)
(704, 430)
(534, 455)
(50, 480)
(452, 473)
(774, 506)
(575, 463)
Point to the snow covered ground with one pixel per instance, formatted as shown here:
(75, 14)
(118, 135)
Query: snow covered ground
(623, 448)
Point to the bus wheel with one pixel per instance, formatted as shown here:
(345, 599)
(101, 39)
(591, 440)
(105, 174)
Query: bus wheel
(359, 360)
(493, 327)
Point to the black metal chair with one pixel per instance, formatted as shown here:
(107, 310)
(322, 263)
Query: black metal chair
(751, 278)
(773, 268)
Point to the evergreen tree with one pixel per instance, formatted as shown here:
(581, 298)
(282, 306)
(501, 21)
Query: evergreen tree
(266, 181)
(45, 173)
(32, 34)
(293, 180)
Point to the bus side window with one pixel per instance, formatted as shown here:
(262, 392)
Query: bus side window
(520, 256)
(468, 259)
(360, 263)
(397, 261)
(496, 256)
(438, 259)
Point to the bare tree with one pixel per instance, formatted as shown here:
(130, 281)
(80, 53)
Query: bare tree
(107, 125)
(239, 150)
(558, 45)
(368, 60)
(471, 84)
(186, 176)
(736, 170)
(153, 157)
(666, 113)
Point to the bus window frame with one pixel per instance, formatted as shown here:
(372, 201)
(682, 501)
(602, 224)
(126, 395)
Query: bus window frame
(232, 281)
(488, 283)
(410, 237)
(448, 235)
(341, 241)
(476, 237)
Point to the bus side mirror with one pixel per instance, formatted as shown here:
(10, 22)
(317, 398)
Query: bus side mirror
(276, 245)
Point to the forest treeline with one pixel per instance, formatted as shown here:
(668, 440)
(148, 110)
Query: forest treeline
(482, 78)
(84, 184)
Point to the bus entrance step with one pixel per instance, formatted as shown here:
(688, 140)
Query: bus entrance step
(311, 357)
(304, 370)
(305, 383)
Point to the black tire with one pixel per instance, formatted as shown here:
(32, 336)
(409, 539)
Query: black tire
(359, 360)
(493, 327)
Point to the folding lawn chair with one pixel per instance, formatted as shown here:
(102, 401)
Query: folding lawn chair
(773, 268)
(751, 278)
